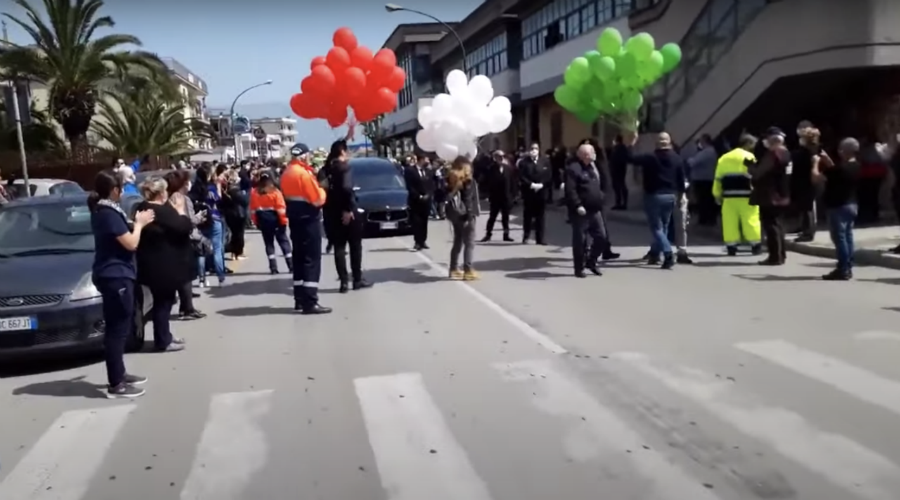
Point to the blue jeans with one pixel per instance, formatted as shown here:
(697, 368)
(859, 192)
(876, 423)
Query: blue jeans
(659, 208)
(216, 233)
(840, 223)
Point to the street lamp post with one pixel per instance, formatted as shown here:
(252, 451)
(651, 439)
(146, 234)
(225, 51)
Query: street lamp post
(17, 116)
(392, 7)
(235, 135)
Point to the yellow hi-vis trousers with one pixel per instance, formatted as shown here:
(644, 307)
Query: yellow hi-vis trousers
(739, 216)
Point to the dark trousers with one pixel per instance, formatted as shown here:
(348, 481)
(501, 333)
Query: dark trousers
(534, 212)
(707, 208)
(186, 298)
(118, 316)
(772, 221)
(869, 202)
(418, 219)
(163, 300)
(344, 235)
(237, 226)
(272, 234)
(306, 238)
(500, 207)
(620, 185)
(589, 238)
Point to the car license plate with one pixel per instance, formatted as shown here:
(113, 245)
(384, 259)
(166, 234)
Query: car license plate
(18, 324)
(388, 225)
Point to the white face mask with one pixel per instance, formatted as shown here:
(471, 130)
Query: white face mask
(188, 186)
(534, 153)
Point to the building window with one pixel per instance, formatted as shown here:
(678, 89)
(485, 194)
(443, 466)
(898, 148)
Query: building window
(564, 20)
(490, 58)
(405, 96)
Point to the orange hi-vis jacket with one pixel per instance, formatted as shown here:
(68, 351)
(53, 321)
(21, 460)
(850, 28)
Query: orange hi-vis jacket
(303, 195)
(268, 208)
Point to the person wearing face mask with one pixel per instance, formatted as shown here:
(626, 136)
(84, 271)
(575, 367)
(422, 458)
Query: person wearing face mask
(771, 193)
(585, 198)
(346, 228)
(420, 185)
(536, 177)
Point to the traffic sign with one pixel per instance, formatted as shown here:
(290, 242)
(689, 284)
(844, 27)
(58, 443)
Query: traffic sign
(259, 133)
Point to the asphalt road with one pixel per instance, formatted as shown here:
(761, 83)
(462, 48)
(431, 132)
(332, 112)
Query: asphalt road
(720, 380)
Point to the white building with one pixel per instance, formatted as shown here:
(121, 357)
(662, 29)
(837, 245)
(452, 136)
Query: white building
(194, 91)
(284, 128)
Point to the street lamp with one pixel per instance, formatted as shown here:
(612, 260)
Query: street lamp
(392, 7)
(235, 136)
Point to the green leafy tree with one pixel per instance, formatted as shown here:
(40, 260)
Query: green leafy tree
(140, 117)
(73, 61)
(39, 135)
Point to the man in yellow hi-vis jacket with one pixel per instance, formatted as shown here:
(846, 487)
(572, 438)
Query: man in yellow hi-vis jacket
(731, 188)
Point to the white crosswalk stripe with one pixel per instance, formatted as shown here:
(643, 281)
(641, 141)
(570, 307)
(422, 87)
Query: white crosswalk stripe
(855, 381)
(418, 454)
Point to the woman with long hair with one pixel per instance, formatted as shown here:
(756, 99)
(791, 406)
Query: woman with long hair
(206, 195)
(179, 183)
(343, 226)
(268, 212)
(234, 212)
(164, 257)
(115, 274)
(462, 210)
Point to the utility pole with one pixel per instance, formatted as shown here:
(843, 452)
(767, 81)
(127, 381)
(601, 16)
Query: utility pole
(18, 118)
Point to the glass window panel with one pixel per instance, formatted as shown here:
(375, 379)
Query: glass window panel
(675, 94)
(747, 10)
(504, 62)
(722, 39)
(718, 9)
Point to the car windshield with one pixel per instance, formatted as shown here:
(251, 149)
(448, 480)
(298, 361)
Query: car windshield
(378, 180)
(45, 229)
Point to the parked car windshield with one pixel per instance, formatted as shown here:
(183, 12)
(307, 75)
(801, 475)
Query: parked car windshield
(45, 229)
(378, 180)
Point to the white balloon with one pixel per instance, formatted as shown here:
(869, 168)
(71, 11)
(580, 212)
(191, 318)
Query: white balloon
(426, 116)
(500, 121)
(447, 151)
(479, 123)
(501, 102)
(425, 140)
(442, 104)
(481, 89)
(456, 82)
(468, 149)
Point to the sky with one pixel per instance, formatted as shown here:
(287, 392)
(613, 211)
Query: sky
(234, 44)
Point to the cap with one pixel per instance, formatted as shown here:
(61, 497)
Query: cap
(773, 131)
(299, 149)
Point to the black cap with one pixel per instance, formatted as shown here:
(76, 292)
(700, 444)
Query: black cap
(299, 149)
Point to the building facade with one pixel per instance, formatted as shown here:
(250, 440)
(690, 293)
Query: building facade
(736, 54)
(193, 90)
(282, 131)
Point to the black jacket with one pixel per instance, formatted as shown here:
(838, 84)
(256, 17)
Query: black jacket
(341, 196)
(499, 182)
(420, 187)
(165, 256)
(583, 187)
(771, 179)
(535, 172)
(663, 171)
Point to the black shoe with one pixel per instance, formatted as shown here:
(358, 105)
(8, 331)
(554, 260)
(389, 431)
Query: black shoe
(838, 275)
(756, 249)
(486, 239)
(804, 238)
(507, 238)
(683, 259)
(124, 391)
(417, 247)
(361, 285)
(580, 274)
(768, 262)
(424, 246)
(134, 379)
(345, 287)
(195, 295)
(732, 251)
(316, 309)
(328, 249)
(594, 269)
(610, 256)
(229, 271)
(273, 271)
(541, 243)
(668, 262)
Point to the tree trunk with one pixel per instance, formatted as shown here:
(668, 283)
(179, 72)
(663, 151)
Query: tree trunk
(81, 149)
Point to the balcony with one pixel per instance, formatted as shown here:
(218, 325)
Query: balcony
(184, 74)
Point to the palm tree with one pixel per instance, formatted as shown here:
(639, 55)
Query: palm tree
(140, 117)
(39, 135)
(373, 131)
(73, 62)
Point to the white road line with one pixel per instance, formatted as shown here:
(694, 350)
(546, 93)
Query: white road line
(232, 448)
(403, 431)
(863, 384)
(63, 462)
(838, 459)
(878, 335)
(523, 327)
(598, 432)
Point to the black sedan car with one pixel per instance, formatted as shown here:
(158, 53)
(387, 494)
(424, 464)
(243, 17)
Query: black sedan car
(48, 303)
(382, 197)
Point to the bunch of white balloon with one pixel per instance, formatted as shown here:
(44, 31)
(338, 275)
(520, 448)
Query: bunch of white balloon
(454, 121)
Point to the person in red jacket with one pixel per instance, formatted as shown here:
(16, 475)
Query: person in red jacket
(268, 212)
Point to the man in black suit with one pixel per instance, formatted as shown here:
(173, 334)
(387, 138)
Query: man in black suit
(500, 186)
(420, 184)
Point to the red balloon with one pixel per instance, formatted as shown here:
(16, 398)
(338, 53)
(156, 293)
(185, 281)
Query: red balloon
(354, 81)
(385, 101)
(361, 57)
(396, 79)
(338, 59)
(317, 61)
(387, 57)
(345, 39)
(322, 81)
(307, 85)
(337, 115)
(298, 106)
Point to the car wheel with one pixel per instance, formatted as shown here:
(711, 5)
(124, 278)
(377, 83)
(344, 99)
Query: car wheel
(136, 340)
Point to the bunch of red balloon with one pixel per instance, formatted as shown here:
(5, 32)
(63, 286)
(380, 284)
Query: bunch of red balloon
(349, 76)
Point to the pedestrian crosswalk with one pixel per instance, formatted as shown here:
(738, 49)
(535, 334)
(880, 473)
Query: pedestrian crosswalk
(598, 438)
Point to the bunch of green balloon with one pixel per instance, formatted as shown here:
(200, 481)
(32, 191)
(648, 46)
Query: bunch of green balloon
(609, 82)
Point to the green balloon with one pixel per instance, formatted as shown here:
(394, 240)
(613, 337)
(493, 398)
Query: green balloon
(632, 101)
(610, 42)
(640, 45)
(652, 67)
(592, 56)
(593, 88)
(578, 72)
(567, 97)
(587, 116)
(626, 65)
(671, 54)
(604, 67)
